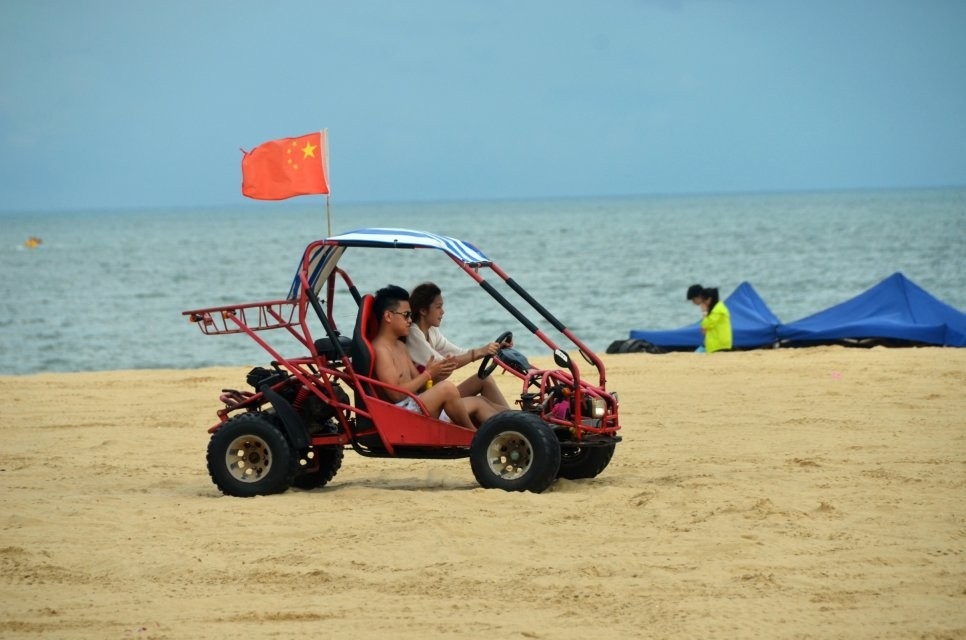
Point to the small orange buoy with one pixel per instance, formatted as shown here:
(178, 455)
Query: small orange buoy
(33, 242)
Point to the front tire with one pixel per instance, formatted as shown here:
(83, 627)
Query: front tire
(515, 451)
(579, 463)
(249, 456)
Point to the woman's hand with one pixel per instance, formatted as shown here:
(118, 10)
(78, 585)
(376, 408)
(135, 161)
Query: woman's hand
(490, 348)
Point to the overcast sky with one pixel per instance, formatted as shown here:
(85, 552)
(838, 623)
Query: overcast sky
(128, 103)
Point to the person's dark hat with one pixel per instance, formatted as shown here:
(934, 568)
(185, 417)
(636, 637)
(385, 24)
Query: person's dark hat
(694, 291)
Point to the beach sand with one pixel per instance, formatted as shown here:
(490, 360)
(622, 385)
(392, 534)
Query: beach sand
(813, 493)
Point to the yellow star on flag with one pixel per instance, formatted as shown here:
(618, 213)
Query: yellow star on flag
(308, 150)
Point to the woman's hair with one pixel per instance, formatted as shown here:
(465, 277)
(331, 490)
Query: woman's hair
(421, 298)
(712, 295)
(709, 293)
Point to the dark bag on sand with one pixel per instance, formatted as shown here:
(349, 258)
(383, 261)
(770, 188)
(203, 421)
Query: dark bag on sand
(634, 346)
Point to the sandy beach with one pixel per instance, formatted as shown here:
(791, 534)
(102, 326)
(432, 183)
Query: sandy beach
(814, 493)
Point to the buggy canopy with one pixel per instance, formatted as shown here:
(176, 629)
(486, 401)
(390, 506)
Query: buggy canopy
(322, 258)
(753, 325)
(895, 310)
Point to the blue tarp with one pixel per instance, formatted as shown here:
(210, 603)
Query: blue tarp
(753, 325)
(896, 309)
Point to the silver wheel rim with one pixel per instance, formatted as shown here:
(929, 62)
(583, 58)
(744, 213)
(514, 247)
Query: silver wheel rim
(248, 458)
(510, 455)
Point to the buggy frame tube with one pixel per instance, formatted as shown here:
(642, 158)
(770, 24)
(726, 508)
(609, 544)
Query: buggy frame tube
(330, 290)
(293, 365)
(526, 322)
(586, 352)
(320, 312)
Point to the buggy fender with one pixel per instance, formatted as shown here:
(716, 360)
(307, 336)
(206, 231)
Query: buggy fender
(294, 428)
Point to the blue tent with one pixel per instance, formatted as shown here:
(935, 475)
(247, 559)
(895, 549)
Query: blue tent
(753, 325)
(896, 309)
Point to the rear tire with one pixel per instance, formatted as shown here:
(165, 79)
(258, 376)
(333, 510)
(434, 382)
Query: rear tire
(579, 463)
(327, 462)
(249, 456)
(515, 451)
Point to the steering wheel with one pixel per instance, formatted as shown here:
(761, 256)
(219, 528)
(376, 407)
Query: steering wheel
(487, 365)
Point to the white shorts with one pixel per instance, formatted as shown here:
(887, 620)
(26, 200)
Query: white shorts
(409, 404)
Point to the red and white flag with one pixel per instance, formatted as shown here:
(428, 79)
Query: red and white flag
(287, 167)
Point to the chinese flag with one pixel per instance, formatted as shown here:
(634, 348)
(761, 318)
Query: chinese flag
(287, 167)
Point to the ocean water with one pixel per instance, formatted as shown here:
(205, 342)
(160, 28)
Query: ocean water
(106, 289)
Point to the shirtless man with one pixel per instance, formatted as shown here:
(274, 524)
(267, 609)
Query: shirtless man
(394, 366)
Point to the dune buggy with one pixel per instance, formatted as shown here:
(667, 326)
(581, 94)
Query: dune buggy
(292, 426)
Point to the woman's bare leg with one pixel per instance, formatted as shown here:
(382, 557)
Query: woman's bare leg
(480, 409)
(466, 412)
(445, 396)
(486, 387)
(492, 393)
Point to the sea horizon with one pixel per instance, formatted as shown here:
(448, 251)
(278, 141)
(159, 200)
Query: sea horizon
(299, 203)
(105, 289)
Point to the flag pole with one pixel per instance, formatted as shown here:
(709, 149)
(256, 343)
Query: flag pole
(325, 169)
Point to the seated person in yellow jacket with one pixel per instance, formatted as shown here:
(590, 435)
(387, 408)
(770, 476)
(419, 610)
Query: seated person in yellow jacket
(716, 325)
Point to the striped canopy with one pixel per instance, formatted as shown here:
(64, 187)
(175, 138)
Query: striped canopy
(323, 257)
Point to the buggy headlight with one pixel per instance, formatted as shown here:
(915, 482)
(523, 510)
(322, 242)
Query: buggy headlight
(598, 407)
